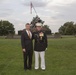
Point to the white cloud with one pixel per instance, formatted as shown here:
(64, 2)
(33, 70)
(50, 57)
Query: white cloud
(4, 1)
(60, 2)
(54, 12)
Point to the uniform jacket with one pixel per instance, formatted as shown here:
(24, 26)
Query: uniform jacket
(40, 43)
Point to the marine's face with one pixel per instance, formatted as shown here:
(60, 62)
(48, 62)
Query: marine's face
(38, 28)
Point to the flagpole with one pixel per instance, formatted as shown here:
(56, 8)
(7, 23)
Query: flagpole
(33, 8)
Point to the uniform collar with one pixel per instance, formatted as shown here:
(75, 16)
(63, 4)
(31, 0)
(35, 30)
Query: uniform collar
(39, 31)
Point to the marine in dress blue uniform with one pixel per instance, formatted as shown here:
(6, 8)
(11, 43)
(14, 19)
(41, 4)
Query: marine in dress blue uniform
(40, 45)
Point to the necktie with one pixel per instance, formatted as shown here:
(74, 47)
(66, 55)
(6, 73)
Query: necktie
(29, 34)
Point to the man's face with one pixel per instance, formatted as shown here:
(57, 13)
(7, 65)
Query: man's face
(27, 27)
(38, 28)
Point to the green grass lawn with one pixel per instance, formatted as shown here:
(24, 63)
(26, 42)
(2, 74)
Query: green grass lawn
(60, 58)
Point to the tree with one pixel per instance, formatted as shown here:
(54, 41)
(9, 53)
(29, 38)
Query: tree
(75, 28)
(67, 29)
(46, 29)
(6, 28)
(62, 30)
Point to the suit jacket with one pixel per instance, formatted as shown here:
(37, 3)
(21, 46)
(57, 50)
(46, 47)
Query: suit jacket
(26, 42)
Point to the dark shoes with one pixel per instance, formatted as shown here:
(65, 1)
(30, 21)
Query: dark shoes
(27, 69)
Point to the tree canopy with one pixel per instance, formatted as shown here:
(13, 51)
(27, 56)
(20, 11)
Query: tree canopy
(6, 28)
(69, 28)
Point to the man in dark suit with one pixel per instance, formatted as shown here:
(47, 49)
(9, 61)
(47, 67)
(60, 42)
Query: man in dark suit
(27, 47)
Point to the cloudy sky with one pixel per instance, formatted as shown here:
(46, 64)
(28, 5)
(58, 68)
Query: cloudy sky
(54, 12)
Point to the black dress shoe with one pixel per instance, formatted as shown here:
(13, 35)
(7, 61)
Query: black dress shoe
(29, 68)
(25, 69)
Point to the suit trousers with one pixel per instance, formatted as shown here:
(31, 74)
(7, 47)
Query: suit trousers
(42, 57)
(27, 59)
